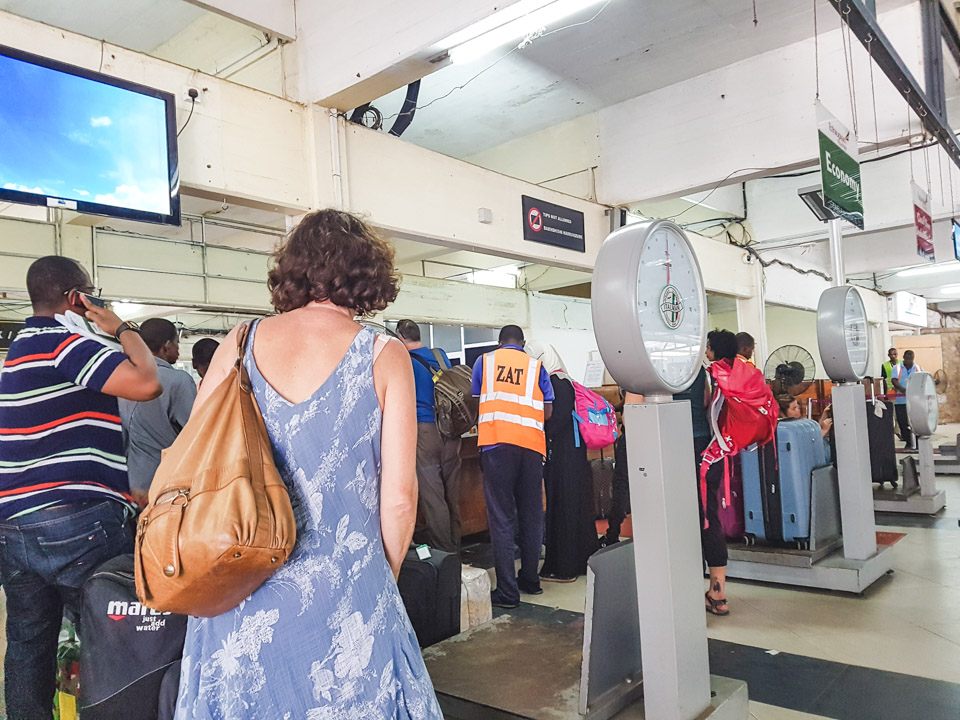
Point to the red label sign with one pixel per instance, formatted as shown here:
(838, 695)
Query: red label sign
(535, 219)
(923, 222)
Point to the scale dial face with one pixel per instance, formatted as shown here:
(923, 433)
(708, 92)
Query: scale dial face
(649, 308)
(843, 334)
(856, 332)
(923, 410)
(669, 292)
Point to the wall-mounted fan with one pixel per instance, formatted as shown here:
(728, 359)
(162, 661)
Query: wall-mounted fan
(790, 370)
(942, 382)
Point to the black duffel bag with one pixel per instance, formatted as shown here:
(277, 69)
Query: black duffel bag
(126, 649)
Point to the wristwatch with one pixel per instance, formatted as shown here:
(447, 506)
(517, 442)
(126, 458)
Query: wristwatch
(126, 325)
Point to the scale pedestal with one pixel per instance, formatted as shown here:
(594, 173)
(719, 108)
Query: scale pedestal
(906, 498)
(859, 563)
(640, 650)
(663, 498)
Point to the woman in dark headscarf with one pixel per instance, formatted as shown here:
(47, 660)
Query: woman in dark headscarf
(570, 529)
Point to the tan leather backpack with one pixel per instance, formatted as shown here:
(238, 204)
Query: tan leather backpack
(219, 520)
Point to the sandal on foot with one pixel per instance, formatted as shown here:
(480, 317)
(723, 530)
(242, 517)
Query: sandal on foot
(715, 606)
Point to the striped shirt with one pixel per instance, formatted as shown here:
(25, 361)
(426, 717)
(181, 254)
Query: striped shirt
(60, 437)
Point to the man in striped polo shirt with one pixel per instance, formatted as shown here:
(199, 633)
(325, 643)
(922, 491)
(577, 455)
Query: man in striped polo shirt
(64, 498)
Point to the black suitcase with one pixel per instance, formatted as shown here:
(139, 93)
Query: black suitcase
(765, 487)
(125, 648)
(430, 590)
(601, 472)
(883, 454)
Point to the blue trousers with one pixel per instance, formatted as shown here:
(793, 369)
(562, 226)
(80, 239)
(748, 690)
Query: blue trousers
(45, 557)
(513, 489)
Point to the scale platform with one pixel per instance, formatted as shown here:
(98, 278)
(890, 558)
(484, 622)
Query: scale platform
(526, 665)
(908, 496)
(946, 461)
(786, 567)
(899, 500)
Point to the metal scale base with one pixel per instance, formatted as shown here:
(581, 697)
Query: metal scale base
(785, 567)
(525, 665)
(908, 496)
(946, 462)
(896, 501)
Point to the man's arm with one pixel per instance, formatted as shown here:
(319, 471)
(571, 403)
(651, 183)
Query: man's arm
(477, 381)
(181, 400)
(895, 380)
(546, 387)
(131, 375)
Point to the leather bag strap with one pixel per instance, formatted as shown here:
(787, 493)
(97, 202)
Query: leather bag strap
(250, 422)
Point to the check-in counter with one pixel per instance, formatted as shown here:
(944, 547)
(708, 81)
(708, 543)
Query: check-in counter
(473, 508)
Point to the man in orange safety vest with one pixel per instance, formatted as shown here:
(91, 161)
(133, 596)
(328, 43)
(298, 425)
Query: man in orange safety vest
(516, 399)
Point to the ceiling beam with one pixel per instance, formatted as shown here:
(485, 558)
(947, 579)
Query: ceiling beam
(927, 107)
(274, 17)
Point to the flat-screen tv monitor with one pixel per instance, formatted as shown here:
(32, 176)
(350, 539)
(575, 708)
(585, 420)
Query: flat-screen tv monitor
(956, 239)
(80, 140)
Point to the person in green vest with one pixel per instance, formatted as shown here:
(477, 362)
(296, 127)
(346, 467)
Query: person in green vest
(886, 372)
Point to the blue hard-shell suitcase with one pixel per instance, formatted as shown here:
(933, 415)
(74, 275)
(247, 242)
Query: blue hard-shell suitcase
(776, 488)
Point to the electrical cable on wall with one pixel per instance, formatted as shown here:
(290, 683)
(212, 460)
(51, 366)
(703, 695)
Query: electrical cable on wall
(193, 103)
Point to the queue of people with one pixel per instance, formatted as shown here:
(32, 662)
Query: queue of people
(351, 420)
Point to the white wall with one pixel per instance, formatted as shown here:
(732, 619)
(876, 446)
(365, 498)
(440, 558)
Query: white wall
(755, 114)
(420, 194)
(723, 321)
(789, 326)
(240, 143)
(562, 157)
(566, 324)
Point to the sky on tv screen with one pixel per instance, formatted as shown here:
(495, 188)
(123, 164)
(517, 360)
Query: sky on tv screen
(73, 138)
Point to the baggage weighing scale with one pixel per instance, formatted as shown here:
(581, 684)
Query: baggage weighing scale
(645, 629)
(918, 491)
(842, 334)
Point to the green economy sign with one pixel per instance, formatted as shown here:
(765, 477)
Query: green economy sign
(839, 168)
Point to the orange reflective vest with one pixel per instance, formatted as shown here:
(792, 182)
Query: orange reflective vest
(511, 401)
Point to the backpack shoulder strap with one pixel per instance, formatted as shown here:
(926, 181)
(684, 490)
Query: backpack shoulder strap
(441, 360)
(423, 362)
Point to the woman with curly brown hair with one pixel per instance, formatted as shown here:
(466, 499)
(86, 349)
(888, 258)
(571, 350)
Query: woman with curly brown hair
(327, 636)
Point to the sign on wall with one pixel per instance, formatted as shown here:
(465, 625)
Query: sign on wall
(907, 309)
(550, 224)
(923, 222)
(839, 168)
(8, 331)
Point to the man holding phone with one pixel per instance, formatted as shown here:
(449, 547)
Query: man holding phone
(64, 496)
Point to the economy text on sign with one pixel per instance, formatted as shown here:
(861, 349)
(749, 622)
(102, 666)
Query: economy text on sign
(839, 168)
(550, 224)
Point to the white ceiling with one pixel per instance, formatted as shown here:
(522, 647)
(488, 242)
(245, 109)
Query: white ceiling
(631, 48)
(138, 25)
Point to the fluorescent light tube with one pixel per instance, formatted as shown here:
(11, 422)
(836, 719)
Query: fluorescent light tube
(508, 25)
(928, 269)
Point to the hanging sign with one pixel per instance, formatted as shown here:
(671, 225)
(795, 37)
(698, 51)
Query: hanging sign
(8, 331)
(923, 222)
(551, 224)
(839, 168)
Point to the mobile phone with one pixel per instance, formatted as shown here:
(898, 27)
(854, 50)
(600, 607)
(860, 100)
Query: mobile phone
(93, 300)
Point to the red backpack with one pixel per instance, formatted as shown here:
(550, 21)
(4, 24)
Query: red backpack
(742, 414)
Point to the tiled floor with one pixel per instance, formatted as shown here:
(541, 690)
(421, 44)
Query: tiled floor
(908, 622)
